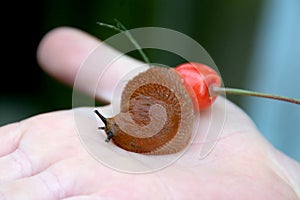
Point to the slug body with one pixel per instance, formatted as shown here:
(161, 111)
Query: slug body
(156, 116)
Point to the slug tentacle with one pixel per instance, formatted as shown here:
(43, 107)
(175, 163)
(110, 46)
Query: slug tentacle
(109, 136)
(103, 119)
(156, 114)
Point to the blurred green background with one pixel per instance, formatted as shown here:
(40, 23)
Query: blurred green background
(226, 29)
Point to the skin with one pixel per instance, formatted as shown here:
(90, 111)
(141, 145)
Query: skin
(42, 157)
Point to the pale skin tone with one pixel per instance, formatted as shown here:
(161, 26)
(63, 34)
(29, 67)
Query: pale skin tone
(42, 157)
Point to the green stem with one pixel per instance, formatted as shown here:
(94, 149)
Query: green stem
(121, 28)
(220, 90)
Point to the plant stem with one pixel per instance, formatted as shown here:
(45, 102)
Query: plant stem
(235, 91)
(121, 28)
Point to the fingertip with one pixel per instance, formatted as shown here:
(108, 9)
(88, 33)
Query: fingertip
(62, 50)
(79, 60)
(10, 136)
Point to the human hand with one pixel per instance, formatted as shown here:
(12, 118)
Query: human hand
(43, 158)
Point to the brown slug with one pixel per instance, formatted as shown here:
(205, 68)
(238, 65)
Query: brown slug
(156, 115)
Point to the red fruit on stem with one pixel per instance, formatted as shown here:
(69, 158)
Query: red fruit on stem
(198, 80)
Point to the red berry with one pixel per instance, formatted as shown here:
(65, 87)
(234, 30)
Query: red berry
(198, 79)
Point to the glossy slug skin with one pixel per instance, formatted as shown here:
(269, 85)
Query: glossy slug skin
(174, 111)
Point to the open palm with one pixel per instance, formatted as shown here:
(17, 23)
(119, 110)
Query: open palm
(43, 158)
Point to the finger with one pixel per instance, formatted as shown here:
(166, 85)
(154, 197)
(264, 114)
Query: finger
(9, 138)
(81, 176)
(14, 166)
(70, 177)
(46, 139)
(63, 50)
(32, 188)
